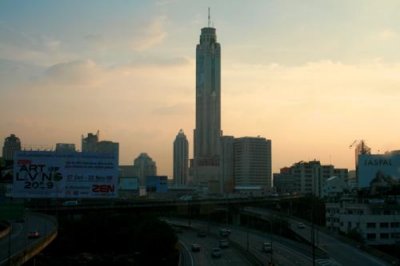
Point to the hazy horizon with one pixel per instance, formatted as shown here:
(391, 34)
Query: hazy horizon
(312, 76)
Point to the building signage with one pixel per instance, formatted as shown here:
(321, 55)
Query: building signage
(382, 168)
(40, 174)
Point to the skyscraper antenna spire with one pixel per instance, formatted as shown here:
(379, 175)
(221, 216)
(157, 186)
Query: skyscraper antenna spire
(209, 17)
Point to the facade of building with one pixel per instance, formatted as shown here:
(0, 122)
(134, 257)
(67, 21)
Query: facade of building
(306, 177)
(226, 164)
(11, 144)
(208, 109)
(91, 144)
(252, 162)
(377, 222)
(65, 147)
(181, 159)
(377, 169)
(106, 146)
(144, 166)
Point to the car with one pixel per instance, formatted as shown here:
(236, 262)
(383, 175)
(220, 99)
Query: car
(33, 234)
(223, 243)
(224, 232)
(196, 247)
(71, 203)
(267, 247)
(300, 226)
(201, 234)
(216, 253)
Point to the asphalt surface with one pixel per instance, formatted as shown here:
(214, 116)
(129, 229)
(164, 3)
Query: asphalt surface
(230, 255)
(339, 252)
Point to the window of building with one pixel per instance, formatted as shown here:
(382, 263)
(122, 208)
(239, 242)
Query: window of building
(395, 235)
(371, 236)
(384, 235)
(395, 224)
(371, 225)
(384, 225)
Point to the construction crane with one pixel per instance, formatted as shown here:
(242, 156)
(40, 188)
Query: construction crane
(361, 147)
(352, 144)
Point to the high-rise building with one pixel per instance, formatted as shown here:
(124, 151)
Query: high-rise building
(89, 144)
(252, 162)
(144, 166)
(11, 145)
(181, 159)
(92, 144)
(208, 108)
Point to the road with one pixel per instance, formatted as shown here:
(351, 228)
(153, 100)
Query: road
(338, 251)
(18, 241)
(230, 255)
(285, 252)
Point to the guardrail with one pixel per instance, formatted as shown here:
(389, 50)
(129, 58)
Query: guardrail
(6, 230)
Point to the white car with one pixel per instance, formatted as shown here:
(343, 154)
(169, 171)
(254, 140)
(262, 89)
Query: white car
(267, 247)
(300, 226)
(216, 253)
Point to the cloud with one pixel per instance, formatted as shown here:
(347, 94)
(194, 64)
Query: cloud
(150, 35)
(81, 72)
(146, 61)
(34, 48)
(387, 35)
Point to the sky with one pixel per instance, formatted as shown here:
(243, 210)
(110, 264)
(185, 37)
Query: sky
(312, 76)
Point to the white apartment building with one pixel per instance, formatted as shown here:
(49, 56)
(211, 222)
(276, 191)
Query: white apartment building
(377, 222)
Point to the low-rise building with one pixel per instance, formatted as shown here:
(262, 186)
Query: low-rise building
(376, 220)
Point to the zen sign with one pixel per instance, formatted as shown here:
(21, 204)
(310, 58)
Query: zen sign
(39, 174)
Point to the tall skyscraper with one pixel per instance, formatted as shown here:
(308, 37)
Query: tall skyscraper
(11, 145)
(208, 108)
(181, 159)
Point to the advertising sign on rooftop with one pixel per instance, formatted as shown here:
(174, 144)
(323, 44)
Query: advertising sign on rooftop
(43, 174)
(382, 168)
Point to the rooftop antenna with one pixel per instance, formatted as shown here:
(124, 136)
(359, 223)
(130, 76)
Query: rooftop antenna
(209, 19)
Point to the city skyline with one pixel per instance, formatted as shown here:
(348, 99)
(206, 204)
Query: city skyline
(310, 76)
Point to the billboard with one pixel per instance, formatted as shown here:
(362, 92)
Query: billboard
(44, 174)
(378, 168)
